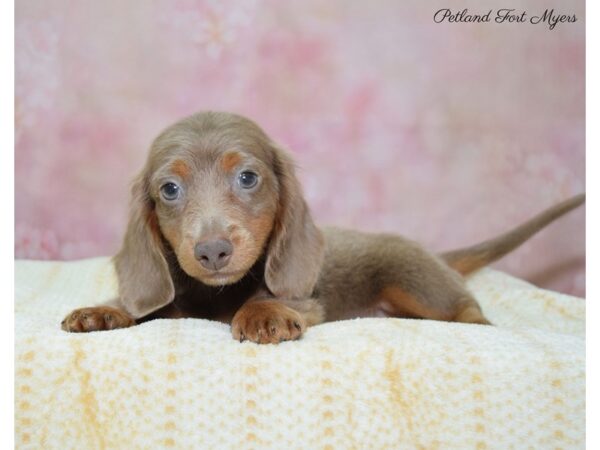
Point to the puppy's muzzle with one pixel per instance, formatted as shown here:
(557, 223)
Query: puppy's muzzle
(214, 254)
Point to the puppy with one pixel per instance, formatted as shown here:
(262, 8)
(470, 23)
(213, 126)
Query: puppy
(218, 229)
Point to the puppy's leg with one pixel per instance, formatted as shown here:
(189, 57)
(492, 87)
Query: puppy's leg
(97, 318)
(469, 311)
(456, 307)
(409, 281)
(270, 321)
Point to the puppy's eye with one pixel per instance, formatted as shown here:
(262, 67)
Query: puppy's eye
(169, 191)
(247, 179)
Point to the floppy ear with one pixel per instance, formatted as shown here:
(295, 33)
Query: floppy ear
(145, 282)
(296, 248)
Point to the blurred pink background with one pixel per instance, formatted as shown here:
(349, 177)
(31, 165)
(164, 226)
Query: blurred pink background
(447, 133)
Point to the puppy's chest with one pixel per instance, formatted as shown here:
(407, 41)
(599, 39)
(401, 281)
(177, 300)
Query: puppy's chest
(214, 303)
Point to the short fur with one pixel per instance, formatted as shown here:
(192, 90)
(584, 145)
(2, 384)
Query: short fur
(284, 274)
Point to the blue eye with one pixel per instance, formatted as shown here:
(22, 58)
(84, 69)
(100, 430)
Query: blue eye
(247, 179)
(169, 191)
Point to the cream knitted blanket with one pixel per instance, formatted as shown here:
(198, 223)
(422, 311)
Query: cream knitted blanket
(361, 384)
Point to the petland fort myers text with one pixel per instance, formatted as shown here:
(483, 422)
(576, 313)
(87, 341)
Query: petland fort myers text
(548, 17)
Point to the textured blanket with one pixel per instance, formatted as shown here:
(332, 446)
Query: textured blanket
(362, 384)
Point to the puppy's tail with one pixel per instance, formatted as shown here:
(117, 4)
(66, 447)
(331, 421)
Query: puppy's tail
(467, 260)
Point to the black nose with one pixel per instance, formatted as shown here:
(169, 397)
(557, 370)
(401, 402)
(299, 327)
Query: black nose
(214, 254)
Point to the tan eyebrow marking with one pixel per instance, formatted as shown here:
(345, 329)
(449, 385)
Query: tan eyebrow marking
(230, 160)
(180, 168)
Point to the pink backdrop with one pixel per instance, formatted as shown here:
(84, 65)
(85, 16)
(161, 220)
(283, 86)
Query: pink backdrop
(447, 133)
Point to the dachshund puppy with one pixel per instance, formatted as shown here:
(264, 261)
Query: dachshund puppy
(218, 229)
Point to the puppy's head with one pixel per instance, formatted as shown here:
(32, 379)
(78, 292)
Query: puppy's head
(221, 194)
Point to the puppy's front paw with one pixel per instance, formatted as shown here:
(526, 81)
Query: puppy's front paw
(267, 322)
(96, 319)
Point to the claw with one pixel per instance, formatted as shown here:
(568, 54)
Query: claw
(297, 325)
(242, 337)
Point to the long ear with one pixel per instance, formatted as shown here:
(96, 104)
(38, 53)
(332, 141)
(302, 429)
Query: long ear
(145, 283)
(296, 249)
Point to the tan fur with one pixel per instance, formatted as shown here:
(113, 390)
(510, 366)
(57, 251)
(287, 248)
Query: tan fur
(471, 314)
(400, 303)
(284, 273)
(180, 168)
(230, 160)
